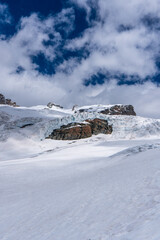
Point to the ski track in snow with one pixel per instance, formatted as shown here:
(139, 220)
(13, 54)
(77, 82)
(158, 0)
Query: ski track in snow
(100, 188)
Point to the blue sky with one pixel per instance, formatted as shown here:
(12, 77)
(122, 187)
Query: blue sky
(81, 52)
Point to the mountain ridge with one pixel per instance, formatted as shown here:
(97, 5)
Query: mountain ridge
(38, 122)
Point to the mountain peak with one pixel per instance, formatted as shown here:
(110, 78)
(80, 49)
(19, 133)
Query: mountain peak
(7, 101)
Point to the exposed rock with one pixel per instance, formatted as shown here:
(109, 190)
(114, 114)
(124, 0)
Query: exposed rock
(75, 131)
(85, 110)
(72, 131)
(50, 105)
(120, 110)
(2, 99)
(27, 125)
(7, 101)
(100, 126)
(74, 107)
(114, 110)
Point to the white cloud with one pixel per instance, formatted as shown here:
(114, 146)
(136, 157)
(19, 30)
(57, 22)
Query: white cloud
(128, 52)
(30, 87)
(65, 17)
(5, 16)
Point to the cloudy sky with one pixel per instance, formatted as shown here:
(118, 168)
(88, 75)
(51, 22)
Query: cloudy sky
(81, 52)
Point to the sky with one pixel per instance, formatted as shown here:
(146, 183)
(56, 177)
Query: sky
(81, 52)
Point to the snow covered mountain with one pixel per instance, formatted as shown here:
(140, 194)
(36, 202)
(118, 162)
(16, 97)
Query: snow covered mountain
(39, 121)
(105, 187)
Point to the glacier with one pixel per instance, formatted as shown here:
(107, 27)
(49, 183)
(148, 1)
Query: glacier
(106, 187)
(45, 120)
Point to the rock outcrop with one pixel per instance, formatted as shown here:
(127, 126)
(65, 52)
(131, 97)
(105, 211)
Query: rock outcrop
(50, 105)
(72, 131)
(7, 101)
(2, 99)
(120, 110)
(99, 126)
(74, 107)
(75, 131)
(114, 110)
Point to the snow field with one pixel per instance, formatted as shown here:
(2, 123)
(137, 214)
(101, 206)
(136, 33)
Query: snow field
(106, 187)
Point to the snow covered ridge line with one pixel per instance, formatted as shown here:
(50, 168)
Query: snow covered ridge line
(88, 113)
(39, 122)
(117, 109)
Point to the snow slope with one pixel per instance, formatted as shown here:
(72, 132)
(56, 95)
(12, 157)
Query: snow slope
(100, 188)
(42, 121)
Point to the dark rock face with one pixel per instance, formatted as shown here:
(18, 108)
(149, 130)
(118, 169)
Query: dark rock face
(72, 131)
(74, 107)
(75, 131)
(50, 105)
(114, 110)
(120, 110)
(7, 101)
(100, 126)
(2, 99)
